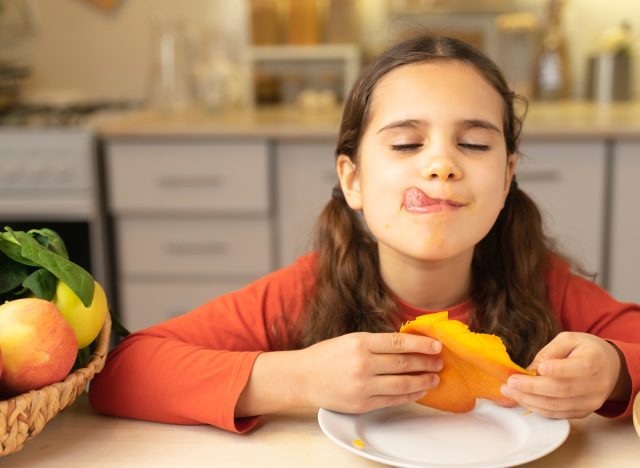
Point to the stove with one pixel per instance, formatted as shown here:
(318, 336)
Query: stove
(61, 115)
(49, 176)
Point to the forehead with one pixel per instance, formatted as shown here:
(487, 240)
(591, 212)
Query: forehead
(439, 90)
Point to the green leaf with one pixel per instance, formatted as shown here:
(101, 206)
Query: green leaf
(117, 326)
(82, 359)
(77, 278)
(42, 283)
(51, 240)
(12, 249)
(12, 274)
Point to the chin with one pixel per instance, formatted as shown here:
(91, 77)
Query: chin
(439, 253)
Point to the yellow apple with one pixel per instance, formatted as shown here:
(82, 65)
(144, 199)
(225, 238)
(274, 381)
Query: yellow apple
(85, 321)
(38, 345)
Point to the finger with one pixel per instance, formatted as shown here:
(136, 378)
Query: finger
(569, 368)
(550, 404)
(548, 386)
(402, 384)
(558, 348)
(405, 363)
(403, 343)
(507, 403)
(559, 414)
(383, 401)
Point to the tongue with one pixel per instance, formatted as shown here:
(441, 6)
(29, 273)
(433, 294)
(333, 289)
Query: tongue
(416, 198)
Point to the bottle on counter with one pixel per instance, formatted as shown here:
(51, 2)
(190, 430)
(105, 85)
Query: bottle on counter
(169, 77)
(610, 68)
(552, 66)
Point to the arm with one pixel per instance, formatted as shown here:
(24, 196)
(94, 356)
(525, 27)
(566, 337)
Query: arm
(221, 363)
(192, 369)
(353, 373)
(595, 365)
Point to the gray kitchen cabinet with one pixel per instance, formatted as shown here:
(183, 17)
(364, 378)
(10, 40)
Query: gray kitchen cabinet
(305, 177)
(192, 220)
(567, 178)
(149, 301)
(625, 222)
(195, 218)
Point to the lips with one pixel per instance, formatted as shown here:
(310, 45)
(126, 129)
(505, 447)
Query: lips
(415, 199)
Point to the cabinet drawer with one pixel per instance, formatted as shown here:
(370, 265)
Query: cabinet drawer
(188, 177)
(186, 246)
(625, 230)
(147, 303)
(567, 180)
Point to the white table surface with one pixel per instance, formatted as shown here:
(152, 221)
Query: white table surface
(81, 438)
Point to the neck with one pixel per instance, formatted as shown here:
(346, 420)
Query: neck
(431, 285)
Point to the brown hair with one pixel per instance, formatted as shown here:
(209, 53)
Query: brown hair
(508, 290)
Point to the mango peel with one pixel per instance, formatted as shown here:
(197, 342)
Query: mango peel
(475, 365)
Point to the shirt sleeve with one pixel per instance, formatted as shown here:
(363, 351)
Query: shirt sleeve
(193, 368)
(585, 307)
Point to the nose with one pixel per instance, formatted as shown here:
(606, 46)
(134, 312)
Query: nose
(441, 168)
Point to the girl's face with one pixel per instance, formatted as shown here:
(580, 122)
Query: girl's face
(433, 171)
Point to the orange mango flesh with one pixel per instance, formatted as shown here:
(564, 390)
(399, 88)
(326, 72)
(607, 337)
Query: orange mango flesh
(475, 365)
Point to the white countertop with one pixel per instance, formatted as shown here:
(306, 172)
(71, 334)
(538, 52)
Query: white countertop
(81, 438)
(545, 119)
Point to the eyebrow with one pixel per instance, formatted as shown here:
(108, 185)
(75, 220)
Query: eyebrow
(479, 123)
(415, 123)
(406, 123)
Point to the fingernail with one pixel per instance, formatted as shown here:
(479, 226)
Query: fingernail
(436, 346)
(513, 383)
(436, 380)
(505, 390)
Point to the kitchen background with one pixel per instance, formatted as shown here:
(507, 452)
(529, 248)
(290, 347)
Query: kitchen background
(72, 45)
(184, 148)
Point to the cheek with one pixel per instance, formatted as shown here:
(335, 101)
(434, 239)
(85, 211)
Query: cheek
(383, 181)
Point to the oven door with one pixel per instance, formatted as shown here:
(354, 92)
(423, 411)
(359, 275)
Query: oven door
(48, 179)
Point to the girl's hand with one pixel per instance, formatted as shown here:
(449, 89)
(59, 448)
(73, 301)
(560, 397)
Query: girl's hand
(359, 372)
(577, 373)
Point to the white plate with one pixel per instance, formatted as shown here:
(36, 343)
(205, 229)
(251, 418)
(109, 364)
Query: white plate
(413, 435)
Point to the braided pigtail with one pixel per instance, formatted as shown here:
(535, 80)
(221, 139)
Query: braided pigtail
(509, 286)
(350, 295)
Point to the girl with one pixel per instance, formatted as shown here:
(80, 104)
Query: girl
(427, 216)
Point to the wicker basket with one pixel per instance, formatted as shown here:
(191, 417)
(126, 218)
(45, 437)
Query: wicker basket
(24, 416)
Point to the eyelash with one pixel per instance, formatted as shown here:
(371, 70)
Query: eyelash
(474, 147)
(406, 148)
(414, 146)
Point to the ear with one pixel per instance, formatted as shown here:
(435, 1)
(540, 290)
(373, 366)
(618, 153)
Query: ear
(512, 161)
(349, 181)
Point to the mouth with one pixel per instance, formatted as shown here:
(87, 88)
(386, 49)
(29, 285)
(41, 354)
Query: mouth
(415, 200)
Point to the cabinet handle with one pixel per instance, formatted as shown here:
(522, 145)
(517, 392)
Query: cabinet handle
(541, 175)
(204, 248)
(190, 181)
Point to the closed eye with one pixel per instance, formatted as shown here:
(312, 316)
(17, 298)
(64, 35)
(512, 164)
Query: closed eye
(474, 147)
(407, 147)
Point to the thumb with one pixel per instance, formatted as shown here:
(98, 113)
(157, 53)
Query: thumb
(558, 348)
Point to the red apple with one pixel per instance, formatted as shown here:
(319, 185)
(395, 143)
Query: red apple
(38, 346)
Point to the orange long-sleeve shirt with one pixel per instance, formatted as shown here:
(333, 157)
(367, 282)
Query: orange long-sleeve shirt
(193, 368)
